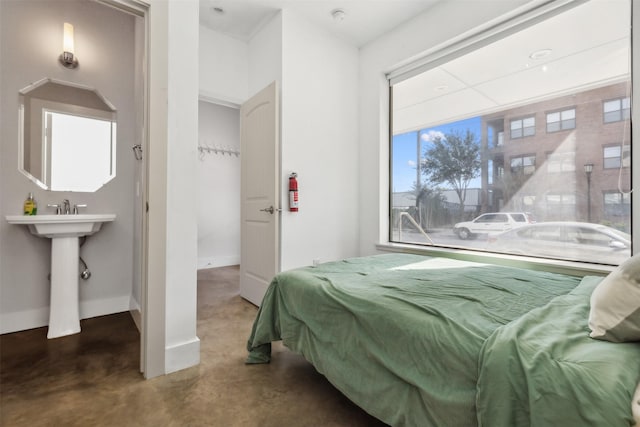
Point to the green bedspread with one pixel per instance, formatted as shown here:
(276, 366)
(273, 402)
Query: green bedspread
(400, 335)
(543, 370)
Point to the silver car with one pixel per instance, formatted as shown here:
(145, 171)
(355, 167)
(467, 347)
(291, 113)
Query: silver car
(493, 222)
(579, 241)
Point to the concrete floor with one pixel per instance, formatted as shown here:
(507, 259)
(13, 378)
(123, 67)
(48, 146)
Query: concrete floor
(93, 379)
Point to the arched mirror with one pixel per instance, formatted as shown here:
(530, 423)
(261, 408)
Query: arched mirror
(67, 136)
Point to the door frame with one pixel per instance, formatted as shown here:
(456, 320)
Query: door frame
(141, 9)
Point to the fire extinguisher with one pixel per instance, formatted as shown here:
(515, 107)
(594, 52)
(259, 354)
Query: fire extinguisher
(293, 192)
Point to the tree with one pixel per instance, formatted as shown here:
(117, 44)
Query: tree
(429, 204)
(453, 159)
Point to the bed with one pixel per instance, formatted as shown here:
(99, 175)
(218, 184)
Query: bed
(422, 341)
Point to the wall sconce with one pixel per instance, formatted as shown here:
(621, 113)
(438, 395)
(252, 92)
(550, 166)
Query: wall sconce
(67, 57)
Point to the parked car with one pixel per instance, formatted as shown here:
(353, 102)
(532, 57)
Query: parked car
(494, 222)
(580, 241)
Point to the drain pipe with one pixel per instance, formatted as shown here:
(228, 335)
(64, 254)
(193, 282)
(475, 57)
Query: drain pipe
(85, 274)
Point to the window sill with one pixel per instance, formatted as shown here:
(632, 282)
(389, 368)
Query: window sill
(571, 268)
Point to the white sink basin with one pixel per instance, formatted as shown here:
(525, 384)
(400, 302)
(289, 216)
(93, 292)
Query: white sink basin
(62, 225)
(64, 232)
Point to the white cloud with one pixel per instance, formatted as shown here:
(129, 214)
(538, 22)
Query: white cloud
(411, 163)
(431, 135)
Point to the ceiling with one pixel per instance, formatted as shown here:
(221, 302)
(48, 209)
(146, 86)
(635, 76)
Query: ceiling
(585, 47)
(363, 21)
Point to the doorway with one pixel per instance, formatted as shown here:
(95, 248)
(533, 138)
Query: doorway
(218, 201)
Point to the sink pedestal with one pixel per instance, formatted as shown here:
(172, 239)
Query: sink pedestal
(64, 232)
(64, 315)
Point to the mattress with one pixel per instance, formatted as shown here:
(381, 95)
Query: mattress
(415, 340)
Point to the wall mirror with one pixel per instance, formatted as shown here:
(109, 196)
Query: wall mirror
(67, 136)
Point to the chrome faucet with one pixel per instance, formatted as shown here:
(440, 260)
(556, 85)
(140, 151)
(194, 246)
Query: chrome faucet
(76, 208)
(66, 207)
(58, 210)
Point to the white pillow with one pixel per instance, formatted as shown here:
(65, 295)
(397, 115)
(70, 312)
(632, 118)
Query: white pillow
(615, 304)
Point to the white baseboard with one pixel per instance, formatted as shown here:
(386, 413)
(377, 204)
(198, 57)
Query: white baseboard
(101, 307)
(23, 320)
(222, 261)
(37, 318)
(137, 319)
(182, 356)
(136, 313)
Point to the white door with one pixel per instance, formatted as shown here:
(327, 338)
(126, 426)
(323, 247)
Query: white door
(259, 193)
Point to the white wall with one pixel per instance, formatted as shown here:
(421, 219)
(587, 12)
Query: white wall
(445, 21)
(318, 80)
(218, 185)
(31, 34)
(265, 55)
(319, 134)
(171, 342)
(224, 67)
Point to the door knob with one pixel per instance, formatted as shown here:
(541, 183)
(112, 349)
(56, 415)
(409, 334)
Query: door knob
(270, 210)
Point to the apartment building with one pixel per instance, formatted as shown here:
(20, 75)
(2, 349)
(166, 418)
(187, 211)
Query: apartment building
(566, 158)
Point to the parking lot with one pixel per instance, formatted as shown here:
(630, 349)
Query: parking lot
(573, 241)
(440, 236)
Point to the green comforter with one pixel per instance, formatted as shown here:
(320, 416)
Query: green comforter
(400, 335)
(543, 370)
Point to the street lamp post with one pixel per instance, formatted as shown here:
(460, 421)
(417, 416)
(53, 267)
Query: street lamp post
(588, 169)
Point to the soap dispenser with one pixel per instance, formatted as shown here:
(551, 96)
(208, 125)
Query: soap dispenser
(30, 206)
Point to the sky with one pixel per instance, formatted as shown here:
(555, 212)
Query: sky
(404, 152)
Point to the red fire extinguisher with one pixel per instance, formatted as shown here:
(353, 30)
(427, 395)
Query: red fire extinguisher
(293, 192)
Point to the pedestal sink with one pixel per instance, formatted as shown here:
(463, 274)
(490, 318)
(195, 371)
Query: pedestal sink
(64, 231)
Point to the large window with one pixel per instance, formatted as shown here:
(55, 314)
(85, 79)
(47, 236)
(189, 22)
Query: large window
(452, 167)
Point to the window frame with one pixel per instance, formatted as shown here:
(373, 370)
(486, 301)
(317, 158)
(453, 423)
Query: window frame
(620, 157)
(561, 122)
(524, 169)
(522, 127)
(624, 113)
(475, 41)
(566, 162)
